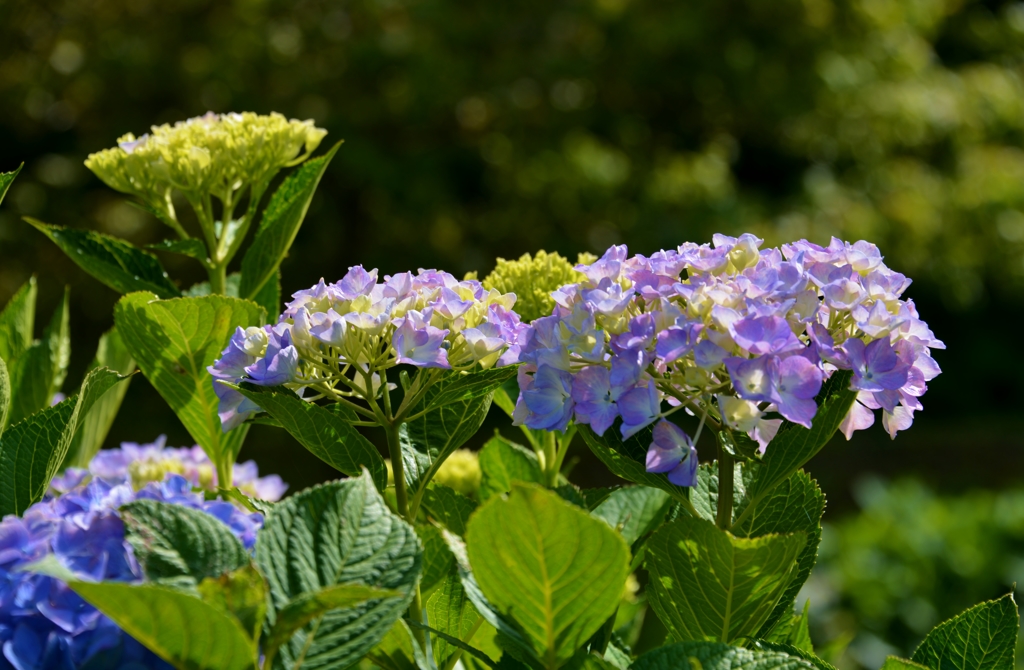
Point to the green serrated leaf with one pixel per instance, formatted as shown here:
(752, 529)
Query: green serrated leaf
(192, 248)
(450, 611)
(457, 387)
(6, 179)
(983, 636)
(626, 458)
(398, 650)
(707, 584)
(503, 462)
(114, 262)
(327, 435)
(448, 507)
(5, 395)
(431, 438)
(554, 570)
(182, 629)
(704, 496)
(338, 533)
(173, 342)
(437, 558)
(240, 594)
(894, 663)
(308, 606)
(17, 323)
(796, 504)
(634, 510)
(794, 445)
(796, 652)
(716, 656)
(111, 353)
(32, 451)
(38, 374)
(280, 223)
(180, 545)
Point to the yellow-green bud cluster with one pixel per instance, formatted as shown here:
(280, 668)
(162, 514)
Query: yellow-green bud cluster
(460, 471)
(215, 154)
(533, 278)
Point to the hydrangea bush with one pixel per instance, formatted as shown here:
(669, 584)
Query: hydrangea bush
(704, 377)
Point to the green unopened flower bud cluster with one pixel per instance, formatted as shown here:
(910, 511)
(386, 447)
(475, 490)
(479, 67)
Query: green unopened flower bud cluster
(533, 278)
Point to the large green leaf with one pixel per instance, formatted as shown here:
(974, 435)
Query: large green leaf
(281, 221)
(704, 496)
(707, 584)
(982, 637)
(191, 247)
(326, 434)
(716, 656)
(39, 372)
(448, 507)
(794, 445)
(180, 545)
(32, 451)
(503, 462)
(338, 533)
(5, 395)
(111, 353)
(554, 570)
(17, 322)
(269, 297)
(796, 504)
(450, 611)
(462, 386)
(308, 606)
(180, 628)
(431, 438)
(796, 652)
(6, 179)
(114, 262)
(634, 510)
(173, 342)
(627, 458)
(241, 594)
(398, 650)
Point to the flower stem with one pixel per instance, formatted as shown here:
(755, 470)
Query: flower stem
(224, 472)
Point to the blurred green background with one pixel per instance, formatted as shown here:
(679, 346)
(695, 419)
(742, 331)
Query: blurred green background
(482, 129)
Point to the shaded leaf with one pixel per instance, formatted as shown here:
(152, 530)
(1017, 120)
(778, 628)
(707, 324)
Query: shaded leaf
(326, 434)
(794, 445)
(463, 386)
(173, 342)
(337, 533)
(983, 636)
(308, 606)
(449, 507)
(796, 652)
(180, 545)
(280, 222)
(634, 510)
(398, 650)
(450, 611)
(716, 656)
(6, 179)
(894, 663)
(192, 248)
(39, 372)
(240, 594)
(437, 558)
(114, 262)
(17, 323)
(706, 583)
(32, 451)
(5, 395)
(554, 570)
(269, 297)
(111, 353)
(503, 462)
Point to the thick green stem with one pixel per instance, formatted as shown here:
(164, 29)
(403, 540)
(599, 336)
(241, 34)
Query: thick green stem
(725, 486)
(224, 473)
(218, 279)
(550, 460)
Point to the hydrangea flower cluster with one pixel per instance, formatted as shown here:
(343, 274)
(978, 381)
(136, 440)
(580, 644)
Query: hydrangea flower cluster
(46, 626)
(729, 331)
(529, 278)
(214, 153)
(338, 339)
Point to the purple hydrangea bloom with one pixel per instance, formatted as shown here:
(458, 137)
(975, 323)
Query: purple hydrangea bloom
(762, 327)
(672, 451)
